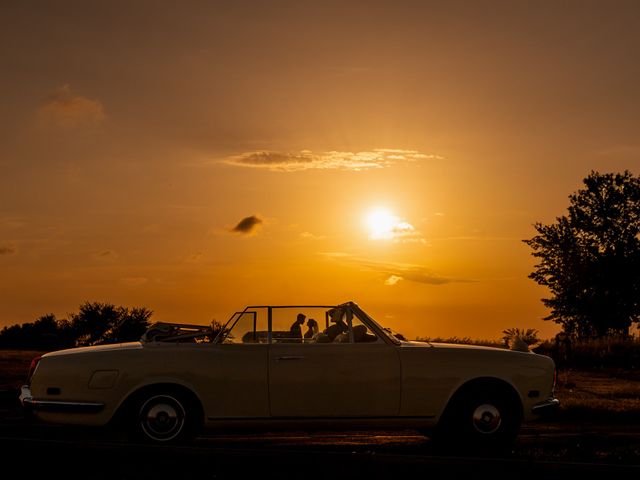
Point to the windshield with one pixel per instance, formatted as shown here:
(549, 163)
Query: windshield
(395, 338)
(398, 336)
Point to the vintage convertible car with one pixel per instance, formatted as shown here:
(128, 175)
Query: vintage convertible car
(302, 367)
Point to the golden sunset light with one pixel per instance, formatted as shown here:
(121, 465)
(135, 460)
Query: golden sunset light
(197, 159)
(381, 224)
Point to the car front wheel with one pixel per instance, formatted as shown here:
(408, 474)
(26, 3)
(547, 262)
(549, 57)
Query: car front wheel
(481, 420)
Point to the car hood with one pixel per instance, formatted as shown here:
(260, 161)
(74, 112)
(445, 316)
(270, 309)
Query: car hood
(457, 346)
(96, 348)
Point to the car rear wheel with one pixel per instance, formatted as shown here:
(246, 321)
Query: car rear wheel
(165, 417)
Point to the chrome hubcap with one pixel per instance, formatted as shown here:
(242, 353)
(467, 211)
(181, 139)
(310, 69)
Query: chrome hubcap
(486, 418)
(162, 417)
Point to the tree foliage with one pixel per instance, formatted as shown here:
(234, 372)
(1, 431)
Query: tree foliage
(590, 258)
(46, 333)
(94, 323)
(105, 323)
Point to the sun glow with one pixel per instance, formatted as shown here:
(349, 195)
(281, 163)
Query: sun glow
(382, 224)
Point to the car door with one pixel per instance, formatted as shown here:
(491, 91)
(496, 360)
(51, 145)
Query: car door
(236, 383)
(334, 379)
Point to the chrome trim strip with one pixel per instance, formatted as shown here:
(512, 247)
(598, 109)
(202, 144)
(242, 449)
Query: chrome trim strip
(546, 406)
(29, 402)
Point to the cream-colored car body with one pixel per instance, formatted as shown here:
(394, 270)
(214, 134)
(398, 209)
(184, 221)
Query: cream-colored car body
(382, 383)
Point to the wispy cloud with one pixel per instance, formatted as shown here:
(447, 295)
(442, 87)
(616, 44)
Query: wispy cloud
(7, 250)
(197, 257)
(248, 225)
(105, 255)
(384, 225)
(333, 160)
(620, 151)
(311, 236)
(67, 110)
(392, 280)
(12, 223)
(394, 272)
(134, 281)
(406, 233)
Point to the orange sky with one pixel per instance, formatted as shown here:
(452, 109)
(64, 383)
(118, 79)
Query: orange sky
(133, 139)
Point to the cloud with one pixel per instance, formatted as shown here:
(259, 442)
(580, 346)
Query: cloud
(7, 250)
(384, 225)
(404, 232)
(394, 272)
(248, 225)
(66, 110)
(134, 281)
(333, 160)
(197, 257)
(311, 236)
(12, 223)
(392, 280)
(106, 255)
(626, 151)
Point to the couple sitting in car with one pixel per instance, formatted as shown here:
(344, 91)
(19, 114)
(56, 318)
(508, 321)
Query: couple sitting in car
(338, 332)
(329, 335)
(296, 328)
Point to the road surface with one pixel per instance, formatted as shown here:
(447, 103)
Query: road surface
(543, 451)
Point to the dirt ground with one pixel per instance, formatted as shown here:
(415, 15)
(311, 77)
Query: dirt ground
(610, 395)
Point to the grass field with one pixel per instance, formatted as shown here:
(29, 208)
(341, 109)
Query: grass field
(599, 395)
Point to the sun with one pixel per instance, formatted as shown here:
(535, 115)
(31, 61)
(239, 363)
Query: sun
(382, 224)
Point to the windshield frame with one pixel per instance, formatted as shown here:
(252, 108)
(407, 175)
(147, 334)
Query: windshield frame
(353, 307)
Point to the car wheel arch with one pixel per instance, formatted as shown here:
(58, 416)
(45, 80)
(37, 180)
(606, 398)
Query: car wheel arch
(142, 391)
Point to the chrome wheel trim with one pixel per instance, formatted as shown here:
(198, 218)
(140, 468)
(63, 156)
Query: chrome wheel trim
(486, 418)
(162, 418)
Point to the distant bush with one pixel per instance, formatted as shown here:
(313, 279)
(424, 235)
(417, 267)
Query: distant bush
(46, 333)
(520, 339)
(608, 352)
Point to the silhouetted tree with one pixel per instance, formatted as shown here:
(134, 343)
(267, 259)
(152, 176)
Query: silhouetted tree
(590, 259)
(129, 325)
(105, 323)
(92, 322)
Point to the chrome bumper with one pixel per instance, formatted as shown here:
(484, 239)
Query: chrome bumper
(29, 403)
(545, 407)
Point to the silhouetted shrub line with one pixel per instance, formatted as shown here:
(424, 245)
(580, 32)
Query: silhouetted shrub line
(95, 323)
(608, 352)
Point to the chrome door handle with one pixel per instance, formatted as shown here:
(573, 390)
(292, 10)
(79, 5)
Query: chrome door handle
(289, 357)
